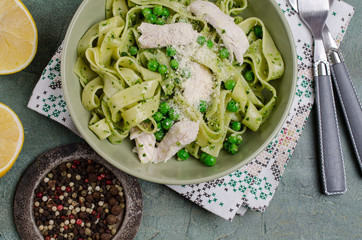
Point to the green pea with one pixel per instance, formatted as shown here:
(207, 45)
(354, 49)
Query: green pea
(151, 18)
(165, 13)
(258, 31)
(158, 116)
(160, 21)
(158, 10)
(182, 155)
(146, 12)
(170, 51)
(133, 50)
(249, 75)
(209, 160)
(226, 146)
(159, 135)
(230, 84)
(201, 40)
(124, 54)
(236, 126)
(232, 106)
(209, 44)
(233, 148)
(173, 115)
(203, 156)
(159, 126)
(239, 140)
(174, 64)
(152, 65)
(163, 108)
(202, 106)
(167, 123)
(232, 139)
(223, 53)
(162, 69)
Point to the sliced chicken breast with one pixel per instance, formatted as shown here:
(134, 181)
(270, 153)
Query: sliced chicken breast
(145, 145)
(199, 86)
(233, 37)
(181, 134)
(156, 36)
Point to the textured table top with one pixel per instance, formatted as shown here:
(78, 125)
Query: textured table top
(298, 211)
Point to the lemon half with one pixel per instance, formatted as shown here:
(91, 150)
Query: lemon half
(11, 138)
(18, 37)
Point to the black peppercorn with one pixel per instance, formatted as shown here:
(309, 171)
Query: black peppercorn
(106, 236)
(116, 210)
(112, 201)
(114, 191)
(111, 219)
(80, 199)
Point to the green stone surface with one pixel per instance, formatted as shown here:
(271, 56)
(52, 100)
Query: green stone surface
(298, 210)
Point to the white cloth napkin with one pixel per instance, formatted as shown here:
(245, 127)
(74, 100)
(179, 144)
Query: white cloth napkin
(253, 186)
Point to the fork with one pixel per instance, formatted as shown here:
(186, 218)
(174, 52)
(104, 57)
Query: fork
(348, 98)
(314, 14)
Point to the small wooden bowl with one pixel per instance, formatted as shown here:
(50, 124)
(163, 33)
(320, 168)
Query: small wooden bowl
(23, 201)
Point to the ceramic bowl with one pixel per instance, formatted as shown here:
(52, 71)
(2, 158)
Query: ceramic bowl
(192, 170)
(35, 173)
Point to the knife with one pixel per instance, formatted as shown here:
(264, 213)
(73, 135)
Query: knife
(347, 95)
(351, 105)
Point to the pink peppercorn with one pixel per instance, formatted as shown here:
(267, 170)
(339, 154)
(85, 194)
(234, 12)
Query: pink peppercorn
(103, 176)
(79, 221)
(99, 178)
(56, 197)
(68, 189)
(60, 207)
(39, 194)
(108, 182)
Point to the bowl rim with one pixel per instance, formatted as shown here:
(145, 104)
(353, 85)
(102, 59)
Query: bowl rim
(156, 179)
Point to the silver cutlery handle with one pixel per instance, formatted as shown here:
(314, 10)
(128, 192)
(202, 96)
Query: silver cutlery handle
(334, 179)
(349, 100)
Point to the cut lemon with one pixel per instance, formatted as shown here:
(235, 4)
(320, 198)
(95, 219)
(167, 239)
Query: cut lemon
(11, 138)
(18, 37)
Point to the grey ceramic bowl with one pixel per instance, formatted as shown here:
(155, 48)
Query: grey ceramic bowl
(36, 172)
(192, 170)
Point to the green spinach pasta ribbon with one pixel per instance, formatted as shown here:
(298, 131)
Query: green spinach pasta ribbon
(121, 90)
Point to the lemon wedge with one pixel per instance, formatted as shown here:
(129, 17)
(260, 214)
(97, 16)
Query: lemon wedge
(18, 37)
(11, 138)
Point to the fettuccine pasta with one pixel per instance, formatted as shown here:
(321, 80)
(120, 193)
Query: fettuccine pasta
(178, 77)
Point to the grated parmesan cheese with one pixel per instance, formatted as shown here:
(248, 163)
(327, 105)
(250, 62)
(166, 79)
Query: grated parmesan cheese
(156, 36)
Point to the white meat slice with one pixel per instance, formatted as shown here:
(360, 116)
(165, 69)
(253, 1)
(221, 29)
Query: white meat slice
(199, 85)
(145, 145)
(233, 37)
(156, 36)
(134, 133)
(181, 134)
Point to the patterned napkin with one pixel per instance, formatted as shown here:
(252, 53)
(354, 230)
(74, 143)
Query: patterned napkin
(253, 186)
